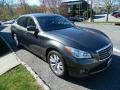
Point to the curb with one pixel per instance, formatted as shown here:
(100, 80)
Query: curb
(39, 81)
(116, 50)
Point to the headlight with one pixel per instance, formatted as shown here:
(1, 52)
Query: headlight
(77, 53)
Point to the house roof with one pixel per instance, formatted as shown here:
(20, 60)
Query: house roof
(75, 2)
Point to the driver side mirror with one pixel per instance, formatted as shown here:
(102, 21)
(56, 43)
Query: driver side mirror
(34, 29)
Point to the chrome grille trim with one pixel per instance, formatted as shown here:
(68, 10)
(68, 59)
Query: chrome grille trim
(106, 58)
(104, 47)
(105, 52)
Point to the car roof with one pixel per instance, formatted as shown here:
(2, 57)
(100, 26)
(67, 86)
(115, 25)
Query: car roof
(40, 14)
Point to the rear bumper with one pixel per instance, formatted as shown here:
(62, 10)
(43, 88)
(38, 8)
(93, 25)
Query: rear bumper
(82, 70)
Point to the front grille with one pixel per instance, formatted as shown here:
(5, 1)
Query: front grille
(105, 52)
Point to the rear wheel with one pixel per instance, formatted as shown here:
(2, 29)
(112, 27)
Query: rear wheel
(57, 64)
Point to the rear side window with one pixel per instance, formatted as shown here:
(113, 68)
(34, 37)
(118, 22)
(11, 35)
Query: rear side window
(22, 21)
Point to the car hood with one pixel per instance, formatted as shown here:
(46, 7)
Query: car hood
(82, 38)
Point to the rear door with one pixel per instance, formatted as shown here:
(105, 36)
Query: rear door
(19, 28)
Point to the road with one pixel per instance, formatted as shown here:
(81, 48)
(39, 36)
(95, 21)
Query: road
(107, 80)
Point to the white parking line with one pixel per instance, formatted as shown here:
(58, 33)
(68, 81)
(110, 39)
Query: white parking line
(116, 50)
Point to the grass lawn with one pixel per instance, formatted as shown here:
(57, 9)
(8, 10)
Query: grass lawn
(4, 49)
(18, 79)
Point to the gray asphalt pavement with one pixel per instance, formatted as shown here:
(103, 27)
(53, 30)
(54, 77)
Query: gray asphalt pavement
(106, 80)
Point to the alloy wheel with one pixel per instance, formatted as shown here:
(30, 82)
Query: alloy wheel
(56, 64)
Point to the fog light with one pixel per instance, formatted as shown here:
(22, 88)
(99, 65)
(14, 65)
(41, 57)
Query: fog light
(82, 70)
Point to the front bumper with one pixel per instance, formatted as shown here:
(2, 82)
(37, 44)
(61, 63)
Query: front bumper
(82, 70)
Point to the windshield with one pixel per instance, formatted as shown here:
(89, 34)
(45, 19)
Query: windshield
(50, 23)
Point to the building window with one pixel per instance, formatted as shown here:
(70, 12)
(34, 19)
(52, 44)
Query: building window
(77, 12)
(69, 10)
(77, 6)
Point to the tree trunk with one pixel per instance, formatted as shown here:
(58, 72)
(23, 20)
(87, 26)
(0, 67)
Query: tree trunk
(91, 16)
(107, 15)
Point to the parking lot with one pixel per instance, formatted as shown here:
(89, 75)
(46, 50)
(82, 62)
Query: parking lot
(106, 80)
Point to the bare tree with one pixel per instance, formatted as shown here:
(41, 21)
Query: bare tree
(5, 10)
(53, 5)
(108, 5)
(63, 9)
(23, 1)
(25, 7)
(42, 5)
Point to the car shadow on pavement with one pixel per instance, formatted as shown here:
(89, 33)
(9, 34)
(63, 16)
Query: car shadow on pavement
(106, 80)
(2, 27)
(8, 37)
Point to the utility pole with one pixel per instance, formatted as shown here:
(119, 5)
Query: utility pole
(79, 7)
(91, 11)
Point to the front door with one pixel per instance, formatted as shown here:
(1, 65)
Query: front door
(32, 42)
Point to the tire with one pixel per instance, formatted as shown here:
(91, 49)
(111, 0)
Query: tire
(16, 40)
(57, 64)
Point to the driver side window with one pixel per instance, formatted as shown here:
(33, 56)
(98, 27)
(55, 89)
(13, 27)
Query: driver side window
(30, 22)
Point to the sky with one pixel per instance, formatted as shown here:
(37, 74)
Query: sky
(36, 2)
(33, 2)
(30, 2)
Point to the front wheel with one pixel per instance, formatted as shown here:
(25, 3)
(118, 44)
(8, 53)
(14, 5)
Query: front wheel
(57, 64)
